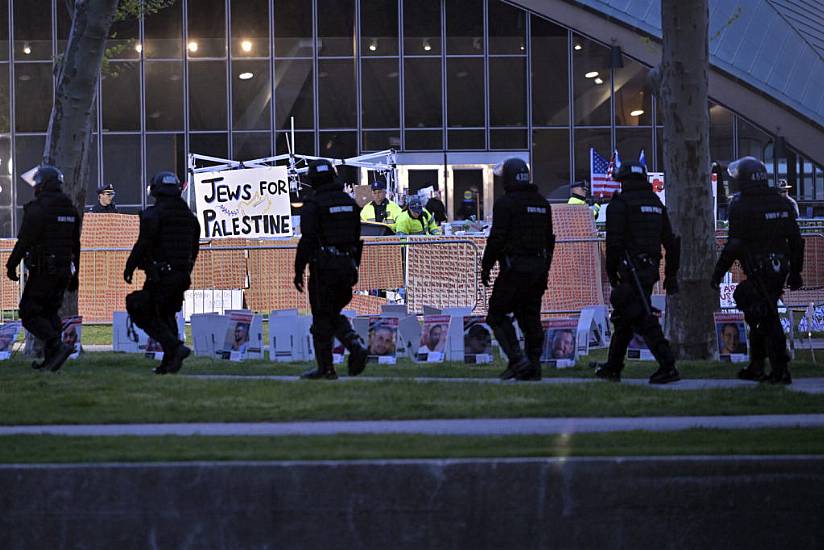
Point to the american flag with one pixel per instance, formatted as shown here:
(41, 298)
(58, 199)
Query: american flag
(600, 174)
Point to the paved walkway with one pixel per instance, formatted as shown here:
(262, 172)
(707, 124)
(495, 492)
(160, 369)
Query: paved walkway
(806, 385)
(481, 426)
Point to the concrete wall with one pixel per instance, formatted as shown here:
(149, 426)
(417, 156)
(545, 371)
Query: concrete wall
(738, 502)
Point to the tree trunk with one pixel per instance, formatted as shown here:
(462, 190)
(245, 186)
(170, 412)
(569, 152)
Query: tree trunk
(69, 135)
(683, 105)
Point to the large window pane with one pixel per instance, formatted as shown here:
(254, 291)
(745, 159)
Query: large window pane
(465, 91)
(584, 140)
(507, 28)
(5, 127)
(293, 28)
(633, 105)
(550, 163)
(250, 28)
(293, 94)
(6, 165)
(33, 97)
(251, 95)
(251, 145)
(207, 28)
(422, 93)
(212, 145)
(590, 82)
(751, 140)
(336, 94)
(304, 143)
(28, 153)
(631, 141)
(377, 140)
(466, 140)
(341, 145)
(165, 152)
(550, 74)
(721, 142)
(508, 139)
(464, 27)
(32, 30)
(379, 27)
(421, 28)
(93, 175)
(4, 30)
(336, 27)
(163, 32)
(164, 95)
(380, 93)
(429, 140)
(507, 91)
(64, 25)
(121, 167)
(207, 95)
(121, 110)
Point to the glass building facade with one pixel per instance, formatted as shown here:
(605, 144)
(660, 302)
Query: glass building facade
(225, 77)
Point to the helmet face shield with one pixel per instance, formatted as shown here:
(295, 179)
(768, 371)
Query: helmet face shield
(748, 170)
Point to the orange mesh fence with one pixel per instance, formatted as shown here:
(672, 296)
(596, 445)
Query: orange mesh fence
(222, 269)
(270, 279)
(381, 265)
(9, 290)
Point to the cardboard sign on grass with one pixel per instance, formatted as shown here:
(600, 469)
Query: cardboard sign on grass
(731, 332)
(559, 342)
(434, 333)
(8, 335)
(383, 340)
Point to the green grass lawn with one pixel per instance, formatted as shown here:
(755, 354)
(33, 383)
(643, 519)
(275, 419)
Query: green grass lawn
(116, 388)
(51, 449)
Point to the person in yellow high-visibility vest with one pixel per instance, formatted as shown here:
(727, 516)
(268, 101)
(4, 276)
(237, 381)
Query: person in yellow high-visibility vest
(416, 220)
(579, 196)
(380, 209)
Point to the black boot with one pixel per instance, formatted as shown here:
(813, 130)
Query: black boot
(532, 372)
(358, 354)
(665, 375)
(56, 354)
(323, 355)
(508, 340)
(607, 372)
(181, 352)
(779, 375)
(754, 371)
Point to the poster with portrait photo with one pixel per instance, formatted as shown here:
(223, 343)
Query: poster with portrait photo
(477, 340)
(382, 340)
(731, 332)
(8, 336)
(338, 352)
(559, 342)
(237, 341)
(72, 331)
(434, 333)
(638, 350)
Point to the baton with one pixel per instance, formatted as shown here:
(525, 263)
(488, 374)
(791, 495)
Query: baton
(638, 286)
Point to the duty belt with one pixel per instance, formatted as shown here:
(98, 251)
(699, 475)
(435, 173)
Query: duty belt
(335, 251)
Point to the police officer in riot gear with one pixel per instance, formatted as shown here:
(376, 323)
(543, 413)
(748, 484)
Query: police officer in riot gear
(521, 241)
(330, 244)
(166, 250)
(49, 244)
(765, 239)
(637, 225)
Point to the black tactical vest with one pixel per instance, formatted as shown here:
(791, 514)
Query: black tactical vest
(762, 220)
(59, 226)
(644, 219)
(178, 227)
(530, 213)
(338, 217)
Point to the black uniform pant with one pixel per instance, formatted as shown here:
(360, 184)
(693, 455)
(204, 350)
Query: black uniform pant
(329, 292)
(154, 308)
(42, 298)
(759, 302)
(518, 293)
(629, 316)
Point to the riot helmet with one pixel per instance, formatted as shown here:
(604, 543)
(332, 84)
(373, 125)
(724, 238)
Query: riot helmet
(748, 173)
(511, 172)
(165, 184)
(47, 177)
(321, 172)
(631, 169)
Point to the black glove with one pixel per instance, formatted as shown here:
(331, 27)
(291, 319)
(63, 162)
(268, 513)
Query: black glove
(485, 277)
(74, 283)
(11, 272)
(671, 285)
(127, 276)
(298, 282)
(794, 281)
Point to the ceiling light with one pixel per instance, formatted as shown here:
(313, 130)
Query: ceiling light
(577, 47)
(138, 47)
(192, 46)
(24, 78)
(599, 81)
(245, 76)
(522, 47)
(393, 74)
(426, 46)
(26, 48)
(373, 45)
(246, 46)
(591, 74)
(636, 112)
